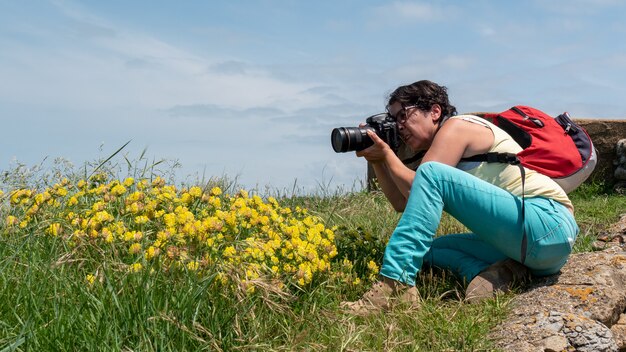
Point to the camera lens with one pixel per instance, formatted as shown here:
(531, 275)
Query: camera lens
(345, 139)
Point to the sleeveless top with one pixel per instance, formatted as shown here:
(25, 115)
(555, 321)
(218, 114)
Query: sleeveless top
(509, 177)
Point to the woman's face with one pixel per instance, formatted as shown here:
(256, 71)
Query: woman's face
(417, 128)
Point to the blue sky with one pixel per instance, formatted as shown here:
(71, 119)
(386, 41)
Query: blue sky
(252, 89)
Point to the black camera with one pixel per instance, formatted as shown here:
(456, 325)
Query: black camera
(345, 139)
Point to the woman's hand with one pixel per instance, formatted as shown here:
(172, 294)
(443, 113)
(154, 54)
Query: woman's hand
(394, 178)
(376, 153)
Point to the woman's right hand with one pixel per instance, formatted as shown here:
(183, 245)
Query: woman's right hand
(376, 153)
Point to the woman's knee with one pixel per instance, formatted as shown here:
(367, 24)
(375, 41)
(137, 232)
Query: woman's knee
(431, 167)
(430, 172)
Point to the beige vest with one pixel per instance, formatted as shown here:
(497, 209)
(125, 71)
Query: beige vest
(509, 177)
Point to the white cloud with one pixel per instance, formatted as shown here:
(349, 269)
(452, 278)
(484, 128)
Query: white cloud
(415, 11)
(411, 12)
(486, 30)
(132, 68)
(582, 8)
(268, 117)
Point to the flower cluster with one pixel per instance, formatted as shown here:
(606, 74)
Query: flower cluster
(157, 226)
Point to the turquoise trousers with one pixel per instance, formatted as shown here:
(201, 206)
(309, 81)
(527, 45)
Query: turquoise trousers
(494, 217)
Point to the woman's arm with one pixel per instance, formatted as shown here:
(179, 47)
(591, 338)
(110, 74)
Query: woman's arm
(456, 139)
(393, 176)
(389, 187)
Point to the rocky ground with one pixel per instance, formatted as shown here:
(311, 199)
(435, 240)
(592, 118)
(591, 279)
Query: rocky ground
(580, 309)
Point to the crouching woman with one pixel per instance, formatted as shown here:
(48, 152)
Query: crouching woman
(485, 197)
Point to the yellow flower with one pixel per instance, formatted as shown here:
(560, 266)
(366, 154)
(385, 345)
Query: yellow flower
(107, 234)
(129, 182)
(134, 207)
(216, 191)
(274, 269)
(98, 206)
(135, 267)
(195, 191)
(142, 184)
(33, 210)
(103, 216)
(229, 251)
(186, 198)
(322, 265)
(54, 229)
(151, 252)
(215, 201)
(61, 191)
(141, 219)
(346, 264)
(20, 196)
(372, 266)
(158, 182)
(134, 248)
(11, 220)
(221, 278)
(39, 198)
(118, 190)
(90, 279)
(193, 265)
(169, 219)
(72, 201)
(132, 235)
(135, 196)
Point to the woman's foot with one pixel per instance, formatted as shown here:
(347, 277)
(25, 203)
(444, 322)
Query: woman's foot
(383, 296)
(498, 277)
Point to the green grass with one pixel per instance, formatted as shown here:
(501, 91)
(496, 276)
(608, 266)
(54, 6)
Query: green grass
(47, 305)
(595, 210)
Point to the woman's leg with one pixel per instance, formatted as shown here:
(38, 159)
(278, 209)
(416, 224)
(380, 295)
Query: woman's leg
(465, 255)
(492, 213)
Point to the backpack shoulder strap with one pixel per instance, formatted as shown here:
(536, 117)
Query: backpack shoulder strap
(494, 157)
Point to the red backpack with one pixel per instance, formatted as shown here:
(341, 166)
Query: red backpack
(555, 147)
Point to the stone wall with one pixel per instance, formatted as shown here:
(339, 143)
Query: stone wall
(605, 134)
(620, 167)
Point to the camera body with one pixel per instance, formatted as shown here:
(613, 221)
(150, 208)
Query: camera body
(345, 139)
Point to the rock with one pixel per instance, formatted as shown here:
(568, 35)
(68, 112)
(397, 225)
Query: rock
(620, 173)
(555, 343)
(615, 235)
(619, 332)
(620, 167)
(605, 134)
(574, 310)
(620, 187)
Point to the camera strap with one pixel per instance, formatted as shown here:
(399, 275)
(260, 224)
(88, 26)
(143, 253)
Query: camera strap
(414, 158)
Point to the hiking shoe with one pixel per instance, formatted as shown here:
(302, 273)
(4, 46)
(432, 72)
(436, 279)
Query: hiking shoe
(498, 277)
(383, 296)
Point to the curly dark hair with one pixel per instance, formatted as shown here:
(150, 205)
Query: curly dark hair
(424, 94)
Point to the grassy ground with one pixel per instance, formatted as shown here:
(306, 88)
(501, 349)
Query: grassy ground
(61, 293)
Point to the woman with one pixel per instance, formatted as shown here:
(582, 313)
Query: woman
(485, 197)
